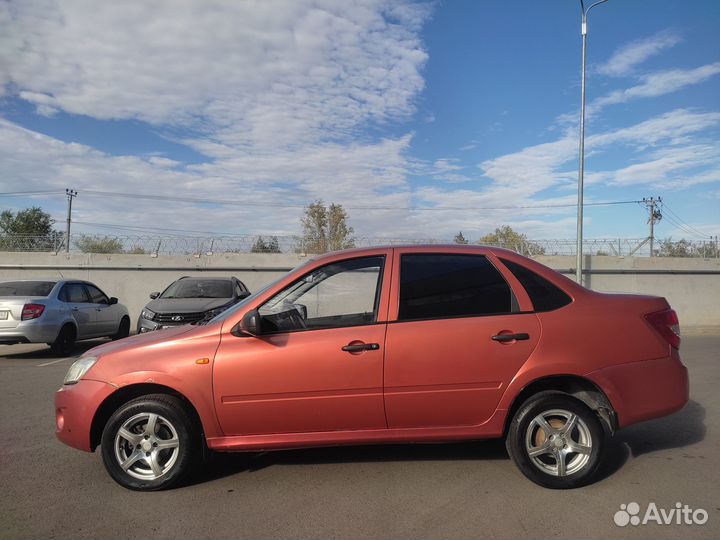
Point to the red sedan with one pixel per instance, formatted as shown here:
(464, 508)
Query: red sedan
(379, 345)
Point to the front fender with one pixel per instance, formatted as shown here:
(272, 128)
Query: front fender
(196, 392)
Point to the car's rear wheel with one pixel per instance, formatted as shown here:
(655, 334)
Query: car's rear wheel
(150, 443)
(556, 441)
(65, 341)
(123, 329)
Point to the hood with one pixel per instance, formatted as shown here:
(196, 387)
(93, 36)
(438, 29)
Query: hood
(141, 340)
(186, 305)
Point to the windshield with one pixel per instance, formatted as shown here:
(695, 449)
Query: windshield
(199, 288)
(26, 288)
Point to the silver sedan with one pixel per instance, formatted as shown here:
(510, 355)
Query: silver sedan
(58, 312)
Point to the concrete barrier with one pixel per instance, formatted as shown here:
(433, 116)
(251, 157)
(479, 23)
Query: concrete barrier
(692, 286)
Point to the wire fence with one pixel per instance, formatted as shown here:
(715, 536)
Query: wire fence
(207, 245)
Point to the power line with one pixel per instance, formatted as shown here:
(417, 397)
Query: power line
(238, 202)
(666, 207)
(684, 229)
(23, 193)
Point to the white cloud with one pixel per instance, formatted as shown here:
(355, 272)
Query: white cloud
(626, 58)
(656, 84)
(247, 74)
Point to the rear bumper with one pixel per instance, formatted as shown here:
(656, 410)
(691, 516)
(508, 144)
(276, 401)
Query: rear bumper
(75, 407)
(645, 390)
(35, 331)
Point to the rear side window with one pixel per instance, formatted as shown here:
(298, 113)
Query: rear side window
(544, 295)
(74, 293)
(440, 286)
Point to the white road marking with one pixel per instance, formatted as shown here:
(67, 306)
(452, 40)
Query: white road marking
(54, 362)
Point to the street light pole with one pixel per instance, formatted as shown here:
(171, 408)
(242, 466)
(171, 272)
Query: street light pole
(581, 172)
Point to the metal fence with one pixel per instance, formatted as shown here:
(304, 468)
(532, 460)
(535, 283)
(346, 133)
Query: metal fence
(194, 245)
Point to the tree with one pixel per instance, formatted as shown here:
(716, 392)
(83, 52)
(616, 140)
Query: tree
(266, 246)
(325, 229)
(685, 248)
(506, 237)
(99, 244)
(31, 228)
(460, 239)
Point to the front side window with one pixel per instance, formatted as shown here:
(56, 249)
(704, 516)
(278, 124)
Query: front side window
(96, 295)
(335, 295)
(74, 293)
(440, 286)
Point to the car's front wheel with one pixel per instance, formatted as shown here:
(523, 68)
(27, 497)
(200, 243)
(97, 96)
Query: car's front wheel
(556, 441)
(150, 443)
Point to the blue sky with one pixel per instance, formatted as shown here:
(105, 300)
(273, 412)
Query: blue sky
(421, 118)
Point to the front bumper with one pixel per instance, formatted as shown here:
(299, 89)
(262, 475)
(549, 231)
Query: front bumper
(644, 390)
(75, 407)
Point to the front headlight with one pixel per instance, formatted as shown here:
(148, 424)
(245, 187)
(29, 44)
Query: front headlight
(79, 368)
(147, 314)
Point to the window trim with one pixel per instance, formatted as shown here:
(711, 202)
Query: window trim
(376, 306)
(514, 303)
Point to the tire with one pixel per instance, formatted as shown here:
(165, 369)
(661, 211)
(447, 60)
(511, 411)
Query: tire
(123, 329)
(151, 467)
(65, 341)
(543, 451)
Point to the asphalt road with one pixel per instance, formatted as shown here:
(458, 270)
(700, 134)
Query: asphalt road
(468, 490)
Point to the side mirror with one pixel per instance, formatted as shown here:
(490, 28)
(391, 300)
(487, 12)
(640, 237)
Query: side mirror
(154, 295)
(250, 323)
(113, 300)
(243, 295)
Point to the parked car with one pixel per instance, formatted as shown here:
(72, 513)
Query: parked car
(58, 312)
(189, 300)
(385, 345)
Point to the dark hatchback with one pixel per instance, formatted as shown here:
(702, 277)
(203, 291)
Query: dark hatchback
(190, 300)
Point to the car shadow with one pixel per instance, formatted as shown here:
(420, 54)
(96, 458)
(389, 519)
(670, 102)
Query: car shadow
(42, 352)
(681, 429)
(684, 428)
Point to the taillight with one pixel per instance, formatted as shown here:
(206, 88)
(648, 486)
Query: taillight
(32, 311)
(667, 325)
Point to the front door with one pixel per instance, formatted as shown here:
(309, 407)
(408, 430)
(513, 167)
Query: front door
(443, 367)
(318, 364)
(106, 316)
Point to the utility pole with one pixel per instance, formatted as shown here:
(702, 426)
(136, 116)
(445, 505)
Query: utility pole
(653, 206)
(581, 171)
(70, 195)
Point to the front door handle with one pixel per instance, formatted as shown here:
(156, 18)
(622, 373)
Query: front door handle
(359, 347)
(504, 338)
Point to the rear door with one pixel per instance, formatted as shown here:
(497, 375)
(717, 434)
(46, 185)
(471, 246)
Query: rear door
(450, 352)
(77, 304)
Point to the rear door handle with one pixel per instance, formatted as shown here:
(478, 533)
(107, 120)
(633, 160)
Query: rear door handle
(75, 309)
(359, 347)
(504, 338)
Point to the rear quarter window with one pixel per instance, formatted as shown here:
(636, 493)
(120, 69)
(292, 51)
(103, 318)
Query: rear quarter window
(544, 295)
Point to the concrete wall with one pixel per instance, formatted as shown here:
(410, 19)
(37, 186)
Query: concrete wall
(692, 286)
